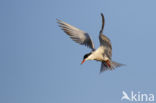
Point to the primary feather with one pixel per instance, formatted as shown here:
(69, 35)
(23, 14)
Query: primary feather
(76, 34)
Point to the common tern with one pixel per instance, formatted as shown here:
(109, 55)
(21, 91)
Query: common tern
(102, 54)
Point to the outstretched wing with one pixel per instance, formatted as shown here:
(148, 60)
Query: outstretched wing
(76, 34)
(104, 41)
(103, 23)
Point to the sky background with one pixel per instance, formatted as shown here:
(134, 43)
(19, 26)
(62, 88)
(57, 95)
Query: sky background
(39, 63)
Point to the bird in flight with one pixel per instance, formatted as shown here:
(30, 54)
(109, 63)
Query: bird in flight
(102, 54)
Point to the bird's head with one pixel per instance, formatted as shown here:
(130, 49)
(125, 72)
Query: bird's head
(85, 57)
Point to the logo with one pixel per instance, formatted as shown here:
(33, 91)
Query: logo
(137, 96)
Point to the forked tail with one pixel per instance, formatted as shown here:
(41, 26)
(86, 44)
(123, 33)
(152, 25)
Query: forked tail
(109, 65)
(115, 65)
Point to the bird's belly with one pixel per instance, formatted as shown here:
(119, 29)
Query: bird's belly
(99, 54)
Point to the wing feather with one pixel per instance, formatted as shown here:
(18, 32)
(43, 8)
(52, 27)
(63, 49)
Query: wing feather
(104, 41)
(76, 34)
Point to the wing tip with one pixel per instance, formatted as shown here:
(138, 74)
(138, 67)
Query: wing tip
(58, 20)
(102, 14)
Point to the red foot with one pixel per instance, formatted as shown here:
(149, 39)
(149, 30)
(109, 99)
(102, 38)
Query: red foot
(108, 63)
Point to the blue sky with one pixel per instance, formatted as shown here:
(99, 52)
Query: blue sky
(40, 64)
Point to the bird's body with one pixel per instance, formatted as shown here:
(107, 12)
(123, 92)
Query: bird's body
(98, 54)
(102, 54)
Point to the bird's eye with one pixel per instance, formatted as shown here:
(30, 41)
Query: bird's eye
(85, 56)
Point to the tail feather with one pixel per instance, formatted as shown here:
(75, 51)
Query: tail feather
(104, 67)
(113, 65)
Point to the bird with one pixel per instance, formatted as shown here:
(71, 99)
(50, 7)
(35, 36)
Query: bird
(102, 54)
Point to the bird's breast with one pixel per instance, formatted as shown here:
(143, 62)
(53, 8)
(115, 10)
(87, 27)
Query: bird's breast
(98, 54)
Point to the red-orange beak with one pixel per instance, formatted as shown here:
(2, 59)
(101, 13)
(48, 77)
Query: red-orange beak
(83, 61)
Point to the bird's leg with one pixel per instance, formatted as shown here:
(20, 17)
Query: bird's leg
(108, 63)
